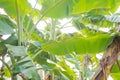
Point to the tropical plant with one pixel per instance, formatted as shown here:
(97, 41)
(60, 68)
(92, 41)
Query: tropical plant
(51, 55)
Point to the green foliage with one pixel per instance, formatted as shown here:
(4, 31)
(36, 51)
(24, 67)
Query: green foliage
(66, 70)
(41, 58)
(115, 69)
(12, 40)
(27, 27)
(115, 76)
(58, 8)
(7, 73)
(86, 5)
(10, 9)
(17, 50)
(6, 25)
(80, 45)
(24, 65)
(35, 46)
(2, 79)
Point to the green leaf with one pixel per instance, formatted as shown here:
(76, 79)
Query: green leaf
(78, 25)
(80, 45)
(115, 76)
(12, 40)
(48, 67)
(87, 5)
(2, 79)
(25, 23)
(10, 7)
(41, 58)
(26, 67)
(7, 73)
(58, 8)
(36, 43)
(3, 49)
(22, 65)
(31, 74)
(115, 69)
(6, 25)
(17, 50)
(96, 17)
(68, 72)
(113, 18)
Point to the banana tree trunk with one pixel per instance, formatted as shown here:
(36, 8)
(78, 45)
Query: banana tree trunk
(108, 60)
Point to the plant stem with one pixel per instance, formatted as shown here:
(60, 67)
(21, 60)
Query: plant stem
(52, 31)
(45, 13)
(18, 23)
(108, 60)
(30, 18)
(36, 54)
(52, 75)
(13, 61)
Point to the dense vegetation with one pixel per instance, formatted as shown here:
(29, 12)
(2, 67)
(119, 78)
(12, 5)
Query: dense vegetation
(30, 53)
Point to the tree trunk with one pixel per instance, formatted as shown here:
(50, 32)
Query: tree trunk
(108, 60)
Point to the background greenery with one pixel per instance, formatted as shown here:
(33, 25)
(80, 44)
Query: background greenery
(50, 54)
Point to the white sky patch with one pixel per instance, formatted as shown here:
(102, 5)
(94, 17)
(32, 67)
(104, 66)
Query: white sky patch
(65, 21)
(0, 63)
(69, 30)
(118, 10)
(7, 59)
(2, 11)
(5, 36)
(99, 56)
(110, 78)
(41, 25)
(104, 29)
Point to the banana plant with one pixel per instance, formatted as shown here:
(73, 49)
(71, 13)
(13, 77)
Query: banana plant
(26, 46)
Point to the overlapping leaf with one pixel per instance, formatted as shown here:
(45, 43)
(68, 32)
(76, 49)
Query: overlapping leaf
(6, 25)
(57, 8)
(80, 45)
(86, 5)
(24, 65)
(17, 50)
(10, 7)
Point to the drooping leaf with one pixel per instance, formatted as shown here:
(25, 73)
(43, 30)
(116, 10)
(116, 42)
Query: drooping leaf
(27, 68)
(41, 58)
(87, 5)
(3, 49)
(68, 72)
(6, 25)
(113, 18)
(23, 5)
(17, 50)
(95, 18)
(80, 45)
(58, 8)
(37, 36)
(31, 74)
(78, 25)
(36, 44)
(12, 40)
